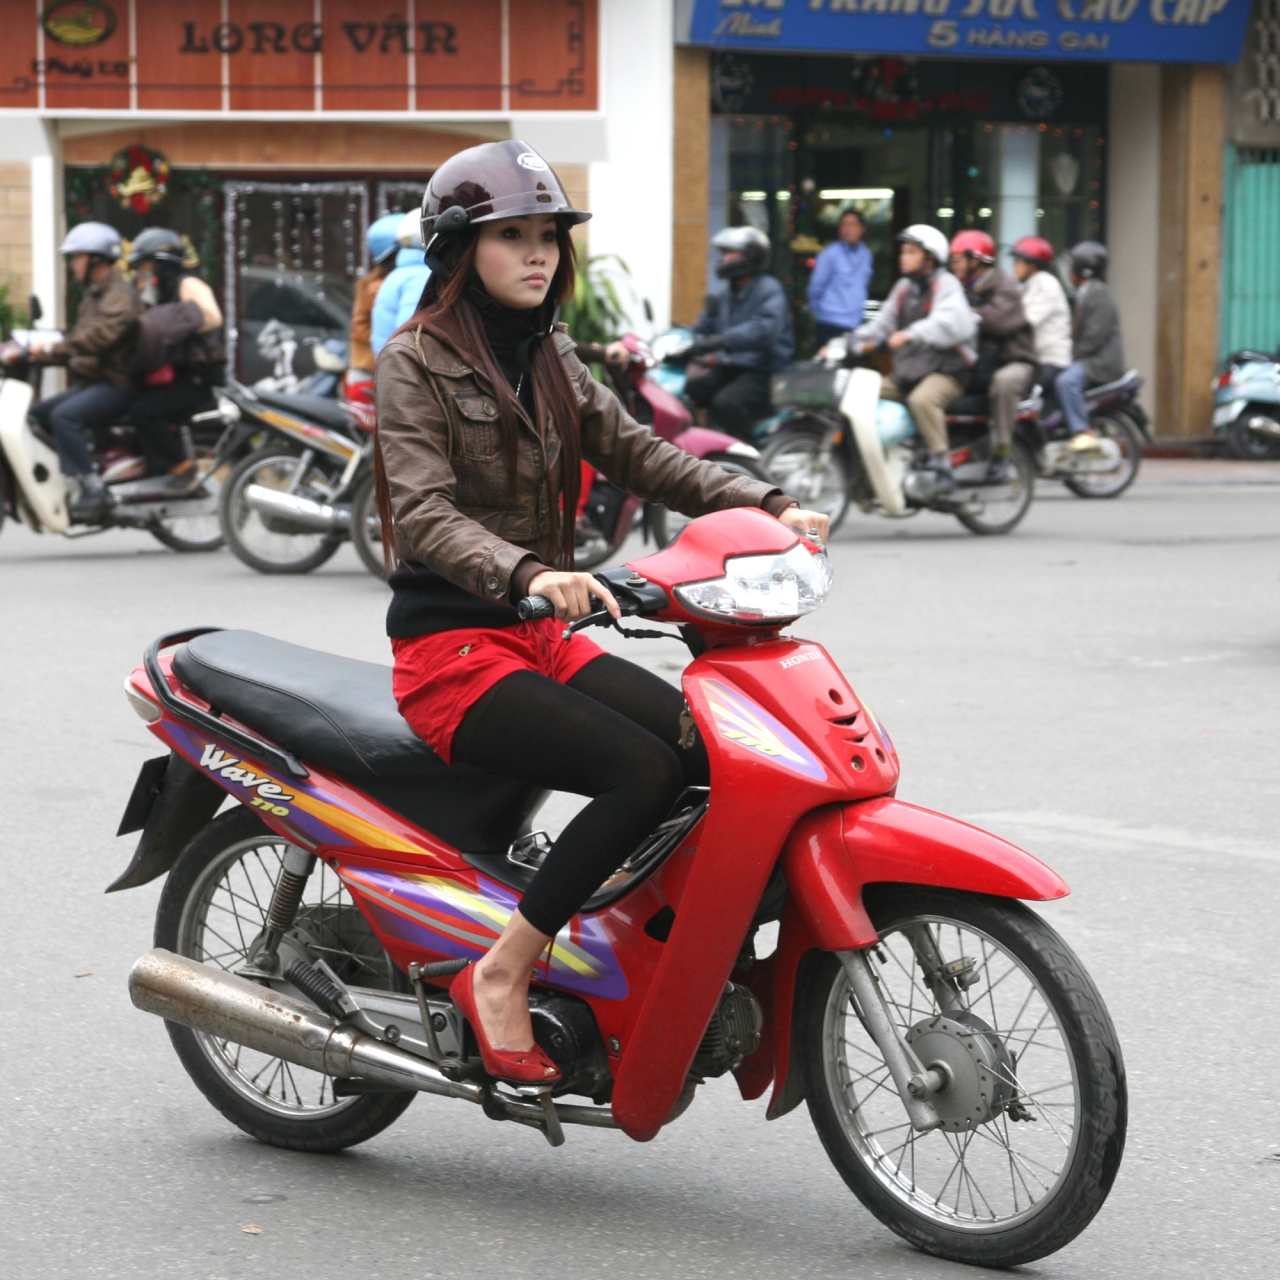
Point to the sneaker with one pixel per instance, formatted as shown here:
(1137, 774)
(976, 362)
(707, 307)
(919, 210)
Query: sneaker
(90, 503)
(185, 485)
(1083, 442)
(997, 471)
(944, 479)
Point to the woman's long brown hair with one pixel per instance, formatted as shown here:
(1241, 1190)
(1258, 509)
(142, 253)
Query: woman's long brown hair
(445, 309)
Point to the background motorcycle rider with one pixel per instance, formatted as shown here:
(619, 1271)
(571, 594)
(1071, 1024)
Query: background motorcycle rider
(484, 415)
(749, 325)
(97, 351)
(192, 336)
(1044, 303)
(838, 286)
(400, 293)
(927, 323)
(383, 247)
(1005, 340)
(1096, 349)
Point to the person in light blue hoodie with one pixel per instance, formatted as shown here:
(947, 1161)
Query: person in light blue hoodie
(838, 285)
(399, 293)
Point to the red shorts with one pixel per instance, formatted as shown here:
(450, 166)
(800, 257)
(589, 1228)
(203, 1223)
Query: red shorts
(439, 676)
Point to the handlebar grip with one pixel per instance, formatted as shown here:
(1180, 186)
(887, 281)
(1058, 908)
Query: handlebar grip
(533, 608)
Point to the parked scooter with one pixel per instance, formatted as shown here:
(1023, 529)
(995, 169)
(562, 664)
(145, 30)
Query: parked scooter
(307, 486)
(837, 441)
(34, 490)
(608, 513)
(1246, 396)
(957, 1061)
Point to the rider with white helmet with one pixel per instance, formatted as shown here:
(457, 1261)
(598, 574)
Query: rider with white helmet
(927, 324)
(97, 352)
(401, 291)
(748, 327)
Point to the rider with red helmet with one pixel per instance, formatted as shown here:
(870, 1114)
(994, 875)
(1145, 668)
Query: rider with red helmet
(484, 418)
(1006, 346)
(1045, 303)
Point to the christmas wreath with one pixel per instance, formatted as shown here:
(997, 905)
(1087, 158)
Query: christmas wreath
(139, 178)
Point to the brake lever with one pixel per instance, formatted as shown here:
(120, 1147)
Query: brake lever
(600, 618)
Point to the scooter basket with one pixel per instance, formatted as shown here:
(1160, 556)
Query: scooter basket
(808, 386)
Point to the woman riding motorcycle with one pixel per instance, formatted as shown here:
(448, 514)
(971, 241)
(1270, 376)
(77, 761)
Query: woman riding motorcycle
(484, 418)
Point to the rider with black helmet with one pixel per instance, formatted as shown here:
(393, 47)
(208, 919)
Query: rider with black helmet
(1097, 353)
(748, 328)
(180, 355)
(485, 416)
(97, 352)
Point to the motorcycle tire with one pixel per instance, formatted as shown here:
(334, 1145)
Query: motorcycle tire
(260, 541)
(993, 520)
(789, 459)
(1248, 445)
(1117, 427)
(276, 1102)
(667, 525)
(366, 527)
(1032, 1136)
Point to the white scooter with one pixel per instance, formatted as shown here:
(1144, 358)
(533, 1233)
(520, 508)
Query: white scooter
(33, 489)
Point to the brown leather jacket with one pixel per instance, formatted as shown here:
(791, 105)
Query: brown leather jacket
(450, 479)
(99, 347)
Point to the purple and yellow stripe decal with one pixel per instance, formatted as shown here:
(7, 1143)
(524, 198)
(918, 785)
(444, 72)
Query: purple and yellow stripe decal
(740, 720)
(448, 917)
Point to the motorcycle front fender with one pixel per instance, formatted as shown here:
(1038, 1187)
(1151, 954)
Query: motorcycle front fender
(702, 441)
(836, 851)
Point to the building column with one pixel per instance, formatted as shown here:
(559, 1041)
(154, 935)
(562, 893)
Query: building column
(692, 161)
(1191, 142)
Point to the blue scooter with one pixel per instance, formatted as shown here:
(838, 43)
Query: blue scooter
(1246, 415)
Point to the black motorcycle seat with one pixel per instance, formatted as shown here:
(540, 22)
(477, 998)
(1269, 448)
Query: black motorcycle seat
(340, 713)
(968, 406)
(317, 409)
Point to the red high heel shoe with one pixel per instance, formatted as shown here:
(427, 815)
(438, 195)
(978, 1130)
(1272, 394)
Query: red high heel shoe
(524, 1066)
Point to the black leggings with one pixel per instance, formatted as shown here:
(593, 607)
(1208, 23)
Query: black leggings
(612, 733)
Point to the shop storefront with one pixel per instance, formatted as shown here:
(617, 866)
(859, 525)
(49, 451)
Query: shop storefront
(1070, 119)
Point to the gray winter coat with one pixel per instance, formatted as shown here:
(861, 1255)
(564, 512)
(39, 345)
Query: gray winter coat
(942, 326)
(755, 322)
(1096, 332)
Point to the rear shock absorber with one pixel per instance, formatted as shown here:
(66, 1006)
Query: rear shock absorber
(295, 871)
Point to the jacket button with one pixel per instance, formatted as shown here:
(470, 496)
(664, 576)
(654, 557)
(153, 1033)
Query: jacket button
(488, 410)
(492, 584)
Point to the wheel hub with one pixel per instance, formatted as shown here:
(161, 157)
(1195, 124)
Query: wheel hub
(977, 1069)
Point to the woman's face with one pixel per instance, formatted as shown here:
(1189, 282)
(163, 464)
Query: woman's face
(516, 258)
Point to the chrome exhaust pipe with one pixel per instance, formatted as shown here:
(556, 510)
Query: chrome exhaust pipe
(220, 1004)
(303, 512)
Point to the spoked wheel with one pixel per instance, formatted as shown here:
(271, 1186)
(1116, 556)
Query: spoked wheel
(366, 527)
(794, 463)
(1245, 443)
(201, 531)
(667, 525)
(1034, 1107)
(272, 543)
(1000, 508)
(1117, 473)
(213, 907)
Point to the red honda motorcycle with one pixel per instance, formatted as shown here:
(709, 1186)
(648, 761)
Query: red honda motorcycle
(956, 1059)
(606, 513)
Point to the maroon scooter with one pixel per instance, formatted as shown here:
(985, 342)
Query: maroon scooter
(606, 513)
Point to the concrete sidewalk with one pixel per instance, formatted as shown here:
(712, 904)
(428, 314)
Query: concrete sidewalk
(1206, 471)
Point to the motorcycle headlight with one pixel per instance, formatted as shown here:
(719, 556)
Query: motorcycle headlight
(767, 588)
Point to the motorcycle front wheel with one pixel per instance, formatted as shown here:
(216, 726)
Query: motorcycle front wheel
(212, 909)
(667, 525)
(994, 516)
(269, 543)
(366, 527)
(1035, 1103)
(793, 462)
(1111, 484)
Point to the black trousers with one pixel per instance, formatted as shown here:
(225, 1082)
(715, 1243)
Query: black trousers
(612, 733)
(735, 398)
(824, 332)
(154, 413)
(70, 413)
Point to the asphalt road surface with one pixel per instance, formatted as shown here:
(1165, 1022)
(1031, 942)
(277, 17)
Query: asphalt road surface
(1100, 687)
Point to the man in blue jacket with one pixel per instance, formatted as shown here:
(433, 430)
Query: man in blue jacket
(746, 330)
(841, 276)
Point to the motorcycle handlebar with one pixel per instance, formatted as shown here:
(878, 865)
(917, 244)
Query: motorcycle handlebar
(534, 608)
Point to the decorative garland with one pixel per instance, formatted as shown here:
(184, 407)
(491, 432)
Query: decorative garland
(139, 178)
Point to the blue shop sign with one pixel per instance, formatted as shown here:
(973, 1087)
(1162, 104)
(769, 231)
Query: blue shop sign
(1094, 30)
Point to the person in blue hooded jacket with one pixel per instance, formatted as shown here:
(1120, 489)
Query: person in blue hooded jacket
(400, 292)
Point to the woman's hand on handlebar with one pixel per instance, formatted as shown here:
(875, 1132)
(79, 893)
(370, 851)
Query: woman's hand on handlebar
(809, 523)
(572, 593)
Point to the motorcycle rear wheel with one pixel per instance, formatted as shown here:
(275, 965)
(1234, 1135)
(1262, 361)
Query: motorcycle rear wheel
(259, 541)
(1028, 1176)
(1111, 484)
(791, 460)
(366, 527)
(667, 525)
(212, 908)
(1248, 445)
(994, 519)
